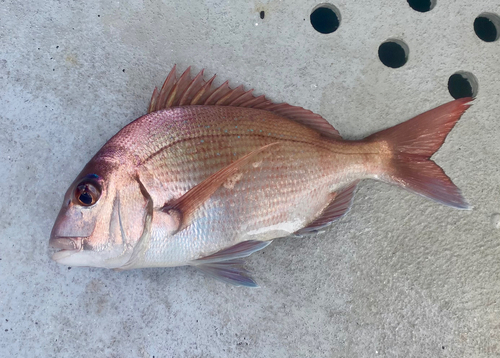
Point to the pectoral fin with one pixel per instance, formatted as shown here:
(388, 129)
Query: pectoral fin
(183, 208)
(226, 265)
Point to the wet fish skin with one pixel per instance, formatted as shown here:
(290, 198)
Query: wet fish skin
(275, 187)
(174, 190)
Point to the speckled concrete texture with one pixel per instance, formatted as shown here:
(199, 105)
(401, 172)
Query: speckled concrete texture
(399, 276)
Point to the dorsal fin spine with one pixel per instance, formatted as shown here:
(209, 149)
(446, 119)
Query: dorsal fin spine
(228, 98)
(154, 98)
(204, 92)
(241, 99)
(178, 88)
(252, 102)
(222, 89)
(166, 89)
(186, 91)
(185, 99)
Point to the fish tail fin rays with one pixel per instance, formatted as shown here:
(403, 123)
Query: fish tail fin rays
(428, 179)
(413, 143)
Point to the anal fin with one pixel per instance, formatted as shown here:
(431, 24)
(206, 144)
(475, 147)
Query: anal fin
(334, 211)
(226, 265)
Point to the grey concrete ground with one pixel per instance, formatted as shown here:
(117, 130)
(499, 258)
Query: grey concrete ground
(399, 276)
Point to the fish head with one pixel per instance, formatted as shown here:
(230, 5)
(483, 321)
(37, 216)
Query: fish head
(103, 216)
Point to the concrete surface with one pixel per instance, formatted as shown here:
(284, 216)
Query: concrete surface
(400, 276)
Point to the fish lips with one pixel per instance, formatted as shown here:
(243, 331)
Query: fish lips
(68, 245)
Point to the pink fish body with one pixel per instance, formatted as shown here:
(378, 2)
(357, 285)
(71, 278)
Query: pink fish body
(212, 175)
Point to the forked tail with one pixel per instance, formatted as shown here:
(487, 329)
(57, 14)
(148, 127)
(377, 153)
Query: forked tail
(413, 143)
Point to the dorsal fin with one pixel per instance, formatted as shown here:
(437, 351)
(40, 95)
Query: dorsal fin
(185, 91)
(339, 206)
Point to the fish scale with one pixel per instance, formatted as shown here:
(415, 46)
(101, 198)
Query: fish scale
(272, 189)
(212, 174)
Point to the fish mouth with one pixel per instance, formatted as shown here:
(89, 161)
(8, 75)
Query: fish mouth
(68, 245)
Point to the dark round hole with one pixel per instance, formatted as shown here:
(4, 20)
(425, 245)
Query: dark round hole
(462, 84)
(487, 27)
(325, 18)
(393, 53)
(422, 5)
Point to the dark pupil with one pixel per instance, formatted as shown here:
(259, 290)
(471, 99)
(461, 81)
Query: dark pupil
(85, 198)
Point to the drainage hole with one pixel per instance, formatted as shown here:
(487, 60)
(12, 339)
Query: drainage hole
(487, 27)
(422, 5)
(462, 84)
(325, 18)
(393, 53)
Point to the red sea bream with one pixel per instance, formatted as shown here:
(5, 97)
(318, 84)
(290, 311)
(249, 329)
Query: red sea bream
(213, 174)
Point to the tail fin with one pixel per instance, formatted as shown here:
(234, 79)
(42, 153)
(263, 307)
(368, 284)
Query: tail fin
(414, 142)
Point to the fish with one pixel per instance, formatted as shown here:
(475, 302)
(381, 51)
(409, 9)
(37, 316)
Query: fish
(212, 174)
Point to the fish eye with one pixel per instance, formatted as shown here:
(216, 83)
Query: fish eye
(87, 193)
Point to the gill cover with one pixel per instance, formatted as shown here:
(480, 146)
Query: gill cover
(102, 218)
